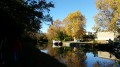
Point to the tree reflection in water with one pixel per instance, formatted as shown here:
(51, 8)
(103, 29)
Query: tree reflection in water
(68, 56)
(76, 57)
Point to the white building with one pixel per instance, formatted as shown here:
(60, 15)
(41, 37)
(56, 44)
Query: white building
(106, 35)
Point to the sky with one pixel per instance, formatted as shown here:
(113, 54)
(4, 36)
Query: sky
(65, 7)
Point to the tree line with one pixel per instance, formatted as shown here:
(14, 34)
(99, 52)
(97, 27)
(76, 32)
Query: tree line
(71, 27)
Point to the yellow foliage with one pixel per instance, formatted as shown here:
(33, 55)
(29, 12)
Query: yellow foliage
(114, 7)
(74, 24)
(54, 28)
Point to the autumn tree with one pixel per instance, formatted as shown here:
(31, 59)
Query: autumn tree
(74, 25)
(55, 30)
(50, 32)
(108, 16)
(101, 22)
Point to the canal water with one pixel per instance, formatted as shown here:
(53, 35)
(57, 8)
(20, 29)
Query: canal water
(95, 57)
(103, 58)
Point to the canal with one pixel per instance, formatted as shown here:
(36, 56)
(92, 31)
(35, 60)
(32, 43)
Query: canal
(85, 56)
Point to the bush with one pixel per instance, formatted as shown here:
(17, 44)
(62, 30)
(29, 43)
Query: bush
(68, 39)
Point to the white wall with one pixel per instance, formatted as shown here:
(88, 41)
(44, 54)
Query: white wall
(105, 36)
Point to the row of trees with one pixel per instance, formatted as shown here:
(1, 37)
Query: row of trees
(108, 16)
(73, 26)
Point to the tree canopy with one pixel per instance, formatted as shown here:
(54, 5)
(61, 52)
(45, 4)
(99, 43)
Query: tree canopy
(74, 24)
(56, 30)
(22, 16)
(108, 16)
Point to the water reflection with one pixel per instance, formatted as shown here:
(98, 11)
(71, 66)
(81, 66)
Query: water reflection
(85, 56)
(107, 55)
(104, 59)
(44, 51)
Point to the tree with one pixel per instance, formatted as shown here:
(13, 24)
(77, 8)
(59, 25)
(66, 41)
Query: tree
(56, 30)
(101, 22)
(43, 37)
(50, 33)
(74, 24)
(109, 13)
(22, 16)
(20, 19)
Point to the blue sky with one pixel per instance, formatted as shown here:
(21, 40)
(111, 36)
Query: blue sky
(64, 7)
